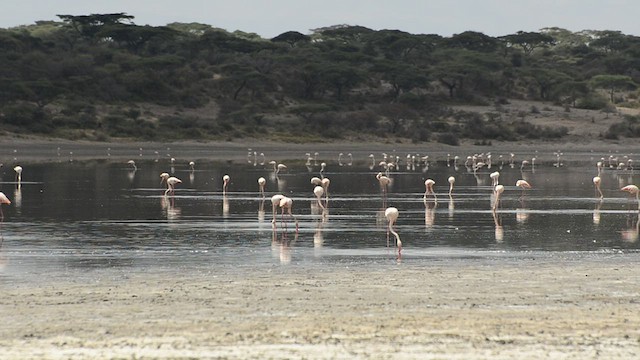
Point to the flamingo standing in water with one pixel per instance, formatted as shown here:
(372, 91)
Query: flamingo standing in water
(384, 182)
(3, 200)
(451, 181)
(325, 186)
(633, 190)
(391, 214)
(275, 202)
(596, 182)
(499, 189)
(171, 182)
(495, 178)
(523, 184)
(428, 184)
(133, 165)
(287, 204)
(318, 191)
(225, 181)
(18, 170)
(261, 184)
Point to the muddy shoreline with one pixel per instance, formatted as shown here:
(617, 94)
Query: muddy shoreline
(555, 307)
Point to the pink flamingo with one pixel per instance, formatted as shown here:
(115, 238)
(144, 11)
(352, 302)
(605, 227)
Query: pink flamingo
(428, 184)
(287, 204)
(3, 200)
(275, 202)
(633, 190)
(499, 189)
(261, 184)
(596, 182)
(391, 214)
(225, 181)
(171, 182)
(318, 191)
(451, 181)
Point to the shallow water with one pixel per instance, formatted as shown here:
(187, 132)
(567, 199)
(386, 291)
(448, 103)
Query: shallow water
(73, 217)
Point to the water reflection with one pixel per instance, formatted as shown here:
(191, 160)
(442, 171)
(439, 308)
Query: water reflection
(99, 204)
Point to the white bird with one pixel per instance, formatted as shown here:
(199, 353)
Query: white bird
(18, 170)
(391, 213)
(261, 184)
(171, 182)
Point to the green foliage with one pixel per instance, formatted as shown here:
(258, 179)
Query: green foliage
(87, 74)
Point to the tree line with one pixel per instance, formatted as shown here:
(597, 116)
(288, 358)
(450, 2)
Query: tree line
(90, 76)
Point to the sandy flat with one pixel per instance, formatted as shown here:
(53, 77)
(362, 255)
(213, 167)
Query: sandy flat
(581, 307)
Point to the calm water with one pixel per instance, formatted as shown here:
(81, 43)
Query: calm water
(75, 217)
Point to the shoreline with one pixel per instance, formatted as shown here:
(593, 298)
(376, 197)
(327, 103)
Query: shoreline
(42, 149)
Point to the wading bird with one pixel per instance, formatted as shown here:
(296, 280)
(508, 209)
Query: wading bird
(596, 182)
(3, 200)
(261, 184)
(275, 202)
(633, 190)
(171, 182)
(451, 181)
(392, 216)
(523, 184)
(133, 165)
(428, 184)
(318, 191)
(499, 189)
(225, 181)
(495, 178)
(18, 170)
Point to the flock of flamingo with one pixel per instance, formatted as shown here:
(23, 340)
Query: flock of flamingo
(321, 184)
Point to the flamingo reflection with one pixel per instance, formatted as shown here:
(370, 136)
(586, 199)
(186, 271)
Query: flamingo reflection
(596, 212)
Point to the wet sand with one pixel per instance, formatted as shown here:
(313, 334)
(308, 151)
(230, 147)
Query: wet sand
(575, 307)
(563, 306)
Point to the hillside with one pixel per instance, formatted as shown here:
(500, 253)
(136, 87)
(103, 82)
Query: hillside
(101, 77)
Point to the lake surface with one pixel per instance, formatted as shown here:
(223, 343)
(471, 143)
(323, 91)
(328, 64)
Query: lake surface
(74, 217)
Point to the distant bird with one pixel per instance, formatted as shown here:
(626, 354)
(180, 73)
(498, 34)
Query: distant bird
(451, 181)
(225, 181)
(499, 189)
(633, 190)
(192, 165)
(171, 182)
(133, 164)
(277, 168)
(18, 170)
(596, 182)
(261, 184)
(391, 213)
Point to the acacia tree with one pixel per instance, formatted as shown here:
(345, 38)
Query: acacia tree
(613, 83)
(528, 41)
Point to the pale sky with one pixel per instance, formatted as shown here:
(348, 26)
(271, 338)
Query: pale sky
(270, 18)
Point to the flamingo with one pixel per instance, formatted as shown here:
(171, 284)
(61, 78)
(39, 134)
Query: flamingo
(286, 203)
(133, 165)
(428, 184)
(325, 186)
(3, 200)
(384, 181)
(277, 167)
(192, 165)
(275, 202)
(18, 170)
(261, 183)
(596, 182)
(495, 178)
(318, 192)
(225, 181)
(171, 182)
(451, 181)
(499, 189)
(316, 181)
(391, 213)
(633, 190)
(323, 165)
(523, 184)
